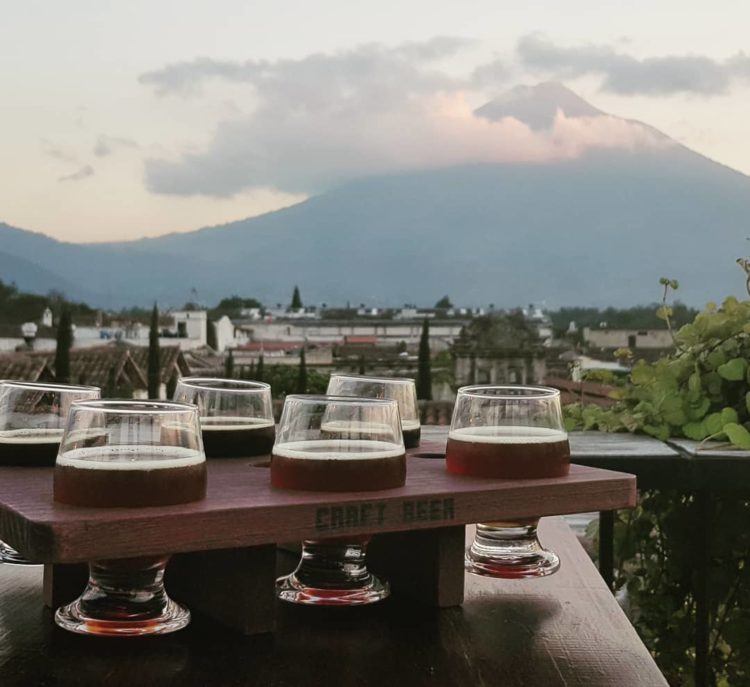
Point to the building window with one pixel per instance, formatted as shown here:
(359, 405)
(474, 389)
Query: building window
(631, 341)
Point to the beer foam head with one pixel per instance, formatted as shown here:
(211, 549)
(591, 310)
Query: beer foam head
(504, 434)
(130, 457)
(408, 425)
(338, 449)
(31, 436)
(228, 423)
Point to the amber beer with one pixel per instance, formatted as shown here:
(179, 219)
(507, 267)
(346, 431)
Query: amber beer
(103, 477)
(324, 465)
(32, 447)
(237, 437)
(508, 452)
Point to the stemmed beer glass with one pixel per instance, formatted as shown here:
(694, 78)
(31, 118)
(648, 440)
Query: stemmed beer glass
(32, 419)
(128, 454)
(511, 432)
(236, 415)
(337, 443)
(401, 389)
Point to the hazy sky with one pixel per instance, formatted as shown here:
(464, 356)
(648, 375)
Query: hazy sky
(122, 120)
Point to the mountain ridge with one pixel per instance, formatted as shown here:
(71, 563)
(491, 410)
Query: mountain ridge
(597, 229)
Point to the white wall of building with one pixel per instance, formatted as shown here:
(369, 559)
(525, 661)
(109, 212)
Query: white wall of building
(388, 332)
(10, 343)
(227, 335)
(622, 338)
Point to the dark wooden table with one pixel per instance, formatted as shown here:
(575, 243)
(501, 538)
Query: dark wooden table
(678, 465)
(566, 629)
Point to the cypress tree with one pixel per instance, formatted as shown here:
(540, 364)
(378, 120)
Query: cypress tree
(154, 364)
(424, 374)
(64, 343)
(302, 378)
(229, 366)
(211, 335)
(110, 391)
(259, 370)
(171, 386)
(296, 300)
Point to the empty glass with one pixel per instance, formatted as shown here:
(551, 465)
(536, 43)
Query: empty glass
(130, 454)
(32, 419)
(511, 432)
(336, 443)
(400, 389)
(236, 415)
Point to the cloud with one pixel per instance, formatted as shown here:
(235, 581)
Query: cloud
(491, 74)
(106, 145)
(343, 69)
(627, 75)
(56, 152)
(328, 118)
(82, 173)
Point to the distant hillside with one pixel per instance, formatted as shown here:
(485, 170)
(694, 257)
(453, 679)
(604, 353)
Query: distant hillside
(29, 276)
(598, 230)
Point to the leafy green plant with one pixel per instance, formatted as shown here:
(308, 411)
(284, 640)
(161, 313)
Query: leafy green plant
(701, 391)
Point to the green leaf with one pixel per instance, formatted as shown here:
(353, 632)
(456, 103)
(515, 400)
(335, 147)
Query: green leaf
(675, 417)
(713, 383)
(713, 423)
(659, 431)
(729, 416)
(695, 411)
(716, 358)
(733, 370)
(747, 401)
(694, 382)
(642, 373)
(738, 435)
(695, 430)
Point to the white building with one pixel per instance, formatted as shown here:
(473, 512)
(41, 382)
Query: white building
(409, 313)
(627, 338)
(580, 364)
(251, 313)
(309, 313)
(188, 330)
(540, 321)
(227, 335)
(386, 332)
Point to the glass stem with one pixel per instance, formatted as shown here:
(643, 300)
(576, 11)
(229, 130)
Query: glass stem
(333, 564)
(125, 589)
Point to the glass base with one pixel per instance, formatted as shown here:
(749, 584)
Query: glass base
(332, 573)
(72, 618)
(124, 598)
(9, 555)
(509, 551)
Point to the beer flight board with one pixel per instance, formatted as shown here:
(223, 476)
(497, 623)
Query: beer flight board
(231, 536)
